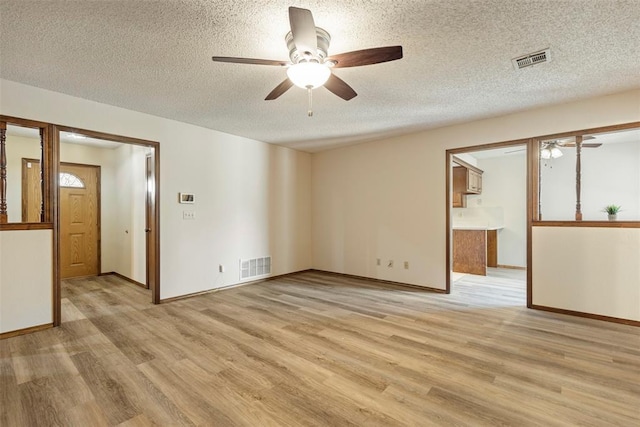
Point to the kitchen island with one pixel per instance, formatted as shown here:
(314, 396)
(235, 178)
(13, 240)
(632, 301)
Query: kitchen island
(474, 249)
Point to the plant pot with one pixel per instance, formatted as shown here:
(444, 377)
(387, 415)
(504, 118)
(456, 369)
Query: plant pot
(612, 217)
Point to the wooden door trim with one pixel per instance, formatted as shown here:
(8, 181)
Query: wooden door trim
(55, 202)
(98, 207)
(155, 291)
(583, 132)
(450, 158)
(533, 214)
(47, 152)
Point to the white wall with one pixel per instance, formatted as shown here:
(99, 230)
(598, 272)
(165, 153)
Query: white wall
(26, 287)
(129, 213)
(610, 174)
(504, 185)
(591, 270)
(253, 199)
(387, 198)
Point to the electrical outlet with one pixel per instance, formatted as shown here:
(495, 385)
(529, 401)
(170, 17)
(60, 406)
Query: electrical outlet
(406, 265)
(378, 261)
(390, 263)
(188, 215)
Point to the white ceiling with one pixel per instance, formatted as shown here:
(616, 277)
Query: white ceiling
(155, 57)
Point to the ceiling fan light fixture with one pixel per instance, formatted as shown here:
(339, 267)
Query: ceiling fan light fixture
(550, 151)
(555, 152)
(308, 75)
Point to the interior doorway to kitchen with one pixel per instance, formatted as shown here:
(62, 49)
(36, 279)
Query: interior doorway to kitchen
(487, 223)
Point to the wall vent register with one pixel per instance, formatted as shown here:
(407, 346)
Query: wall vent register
(255, 267)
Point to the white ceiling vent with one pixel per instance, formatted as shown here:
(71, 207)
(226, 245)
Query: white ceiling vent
(532, 59)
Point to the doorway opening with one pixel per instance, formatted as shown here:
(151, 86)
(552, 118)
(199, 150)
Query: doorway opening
(487, 222)
(111, 231)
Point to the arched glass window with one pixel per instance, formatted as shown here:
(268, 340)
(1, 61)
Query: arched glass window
(70, 180)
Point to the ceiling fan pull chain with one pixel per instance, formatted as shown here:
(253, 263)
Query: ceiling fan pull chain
(310, 112)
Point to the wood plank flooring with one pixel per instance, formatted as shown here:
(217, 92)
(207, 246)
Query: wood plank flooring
(316, 349)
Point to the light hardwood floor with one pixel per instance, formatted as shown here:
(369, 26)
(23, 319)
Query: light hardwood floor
(321, 350)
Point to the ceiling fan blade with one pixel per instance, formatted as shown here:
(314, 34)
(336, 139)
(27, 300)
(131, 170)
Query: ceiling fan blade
(303, 30)
(340, 88)
(367, 56)
(584, 145)
(570, 140)
(279, 90)
(249, 61)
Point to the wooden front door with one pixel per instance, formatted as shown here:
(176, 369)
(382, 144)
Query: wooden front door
(79, 220)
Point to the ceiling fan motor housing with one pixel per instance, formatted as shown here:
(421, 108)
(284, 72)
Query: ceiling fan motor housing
(324, 39)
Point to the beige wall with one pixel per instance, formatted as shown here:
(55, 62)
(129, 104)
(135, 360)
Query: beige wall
(591, 270)
(382, 199)
(386, 199)
(26, 287)
(253, 199)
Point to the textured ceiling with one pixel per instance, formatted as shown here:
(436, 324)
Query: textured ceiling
(155, 57)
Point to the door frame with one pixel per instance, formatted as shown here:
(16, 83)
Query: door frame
(148, 212)
(153, 262)
(529, 145)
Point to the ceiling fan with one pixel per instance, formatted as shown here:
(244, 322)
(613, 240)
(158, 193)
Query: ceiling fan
(551, 149)
(311, 66)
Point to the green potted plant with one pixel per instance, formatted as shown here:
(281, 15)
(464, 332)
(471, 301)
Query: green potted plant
(612, 211)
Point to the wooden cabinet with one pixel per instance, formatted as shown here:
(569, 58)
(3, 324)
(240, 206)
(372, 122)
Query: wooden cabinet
(474, 251)
(470, 252)
(492, 248)
(459, 187)
(474, 182)
(466, 180)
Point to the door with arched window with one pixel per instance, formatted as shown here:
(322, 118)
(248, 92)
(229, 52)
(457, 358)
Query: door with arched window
(79, 220)
(79, 214)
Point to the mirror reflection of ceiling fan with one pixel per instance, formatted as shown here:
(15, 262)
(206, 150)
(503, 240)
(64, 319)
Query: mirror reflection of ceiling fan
(551, 149)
